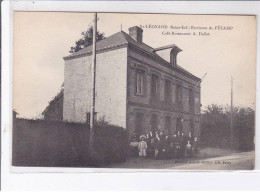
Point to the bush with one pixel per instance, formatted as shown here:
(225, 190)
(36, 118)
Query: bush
(216, 129)
(111, 143)
(56, 143)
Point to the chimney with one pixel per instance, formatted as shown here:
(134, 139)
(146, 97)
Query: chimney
(136, 33)
(173, 55)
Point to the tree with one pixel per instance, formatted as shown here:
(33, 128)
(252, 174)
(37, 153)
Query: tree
(86, 40)
(215, 126)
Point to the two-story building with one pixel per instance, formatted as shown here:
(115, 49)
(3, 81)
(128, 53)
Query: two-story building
(138, 87)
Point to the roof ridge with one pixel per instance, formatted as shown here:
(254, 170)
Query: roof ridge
(83, 50)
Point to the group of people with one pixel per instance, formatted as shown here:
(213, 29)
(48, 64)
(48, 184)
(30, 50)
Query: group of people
(158, 145)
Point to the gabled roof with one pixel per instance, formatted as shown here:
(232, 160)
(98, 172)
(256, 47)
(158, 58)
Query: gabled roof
(119, 39)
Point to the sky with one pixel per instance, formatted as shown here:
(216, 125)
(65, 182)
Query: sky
(42, 39)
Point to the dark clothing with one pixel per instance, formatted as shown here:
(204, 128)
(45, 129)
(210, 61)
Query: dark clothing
(190, 139)
(189, 150)
(150, 148)
(171, 150)
(163, 148)
(133, 148)
(177, 146)
(183, 145)
(195, 147)
(148, 141)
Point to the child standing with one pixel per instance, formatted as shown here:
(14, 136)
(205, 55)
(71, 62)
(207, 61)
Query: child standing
(142, 146)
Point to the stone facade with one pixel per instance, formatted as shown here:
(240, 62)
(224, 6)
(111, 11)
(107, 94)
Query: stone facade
(176, 105)
(190, 119)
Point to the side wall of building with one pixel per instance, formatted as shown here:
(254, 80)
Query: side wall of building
(147, 107)
(77, 90)
(110, 87)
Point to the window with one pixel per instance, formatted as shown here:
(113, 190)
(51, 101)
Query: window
(168, 124)
(168, 91)
(192, 127)
(179, 125)
(139, 124)
(191, 101)
(178, 95)
(140, 82)
(155, 86)
(154, 122)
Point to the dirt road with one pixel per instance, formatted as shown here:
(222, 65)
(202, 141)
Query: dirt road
(236, 161)
(209, 159)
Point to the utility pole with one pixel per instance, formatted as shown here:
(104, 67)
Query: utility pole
(231, 116)
(93, 81)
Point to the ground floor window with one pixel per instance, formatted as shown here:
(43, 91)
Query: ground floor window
(168, 125)
(179, 125)
(139, 124)
(154, 122)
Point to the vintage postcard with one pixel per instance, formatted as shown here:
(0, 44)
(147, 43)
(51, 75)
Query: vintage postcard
(134, 91)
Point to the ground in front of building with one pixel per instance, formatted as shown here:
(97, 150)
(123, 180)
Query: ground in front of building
(209, 159)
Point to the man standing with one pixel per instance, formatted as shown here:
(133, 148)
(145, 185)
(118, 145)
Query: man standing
(183, 144)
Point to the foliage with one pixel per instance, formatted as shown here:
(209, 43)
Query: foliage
(216, 125)
(59, 143)
(86, 40)
(102, 121)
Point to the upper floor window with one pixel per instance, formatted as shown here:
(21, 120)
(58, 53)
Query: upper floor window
(167, 91)
(191, 100)
(140, 82)
(155, 86)
(178, 94)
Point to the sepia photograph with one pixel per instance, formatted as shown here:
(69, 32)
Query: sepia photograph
(134, 91)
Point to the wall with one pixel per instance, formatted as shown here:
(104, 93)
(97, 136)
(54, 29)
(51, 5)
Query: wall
(76, 89)
(110, 87)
